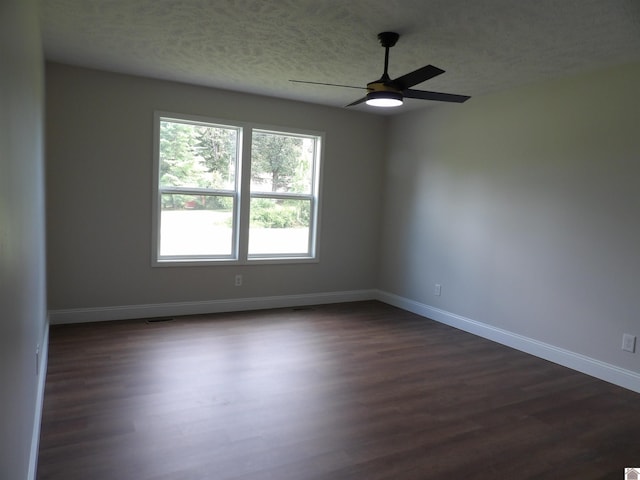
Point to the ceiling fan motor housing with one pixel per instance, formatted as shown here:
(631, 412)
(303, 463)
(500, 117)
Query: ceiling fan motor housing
(381, 86)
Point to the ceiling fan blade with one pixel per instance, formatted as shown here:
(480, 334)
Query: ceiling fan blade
(416, 77)
(437, 96)
(357, 102)
(327, 84)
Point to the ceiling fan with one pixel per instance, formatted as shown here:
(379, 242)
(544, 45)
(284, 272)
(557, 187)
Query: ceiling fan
(387, 92)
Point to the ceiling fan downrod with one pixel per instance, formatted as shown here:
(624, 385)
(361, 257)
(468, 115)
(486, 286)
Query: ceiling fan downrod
(387, 40)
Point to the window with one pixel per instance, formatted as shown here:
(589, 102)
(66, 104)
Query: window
(226, 191)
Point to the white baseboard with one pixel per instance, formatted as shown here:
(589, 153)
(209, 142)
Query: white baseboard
(576, 361)
(84, 315)
(37, 420)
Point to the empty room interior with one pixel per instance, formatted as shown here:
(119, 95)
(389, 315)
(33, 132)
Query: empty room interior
(222, 258)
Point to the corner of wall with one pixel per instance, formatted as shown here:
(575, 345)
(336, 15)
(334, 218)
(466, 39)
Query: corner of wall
(575, 361)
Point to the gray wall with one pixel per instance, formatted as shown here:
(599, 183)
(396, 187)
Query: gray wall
(99, 180)
(524, 206)
(22, 262)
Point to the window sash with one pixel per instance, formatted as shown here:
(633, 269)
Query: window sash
(218, 234)
(278, 236)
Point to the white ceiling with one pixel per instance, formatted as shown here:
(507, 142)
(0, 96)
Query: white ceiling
(257, 46)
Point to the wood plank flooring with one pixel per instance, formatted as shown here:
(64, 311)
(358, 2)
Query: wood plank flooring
(349, 391)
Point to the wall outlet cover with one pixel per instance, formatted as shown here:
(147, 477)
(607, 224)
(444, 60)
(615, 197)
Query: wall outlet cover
(629, 343)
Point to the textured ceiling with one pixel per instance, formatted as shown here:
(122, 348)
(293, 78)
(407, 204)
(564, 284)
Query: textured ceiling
(256, 46)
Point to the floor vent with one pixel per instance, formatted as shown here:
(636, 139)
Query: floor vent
(160, 320)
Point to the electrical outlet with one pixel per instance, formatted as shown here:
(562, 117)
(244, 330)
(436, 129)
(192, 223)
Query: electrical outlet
(238, 280)
(629, 343)
(437, 290)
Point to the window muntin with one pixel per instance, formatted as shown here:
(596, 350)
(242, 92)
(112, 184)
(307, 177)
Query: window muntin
(200, 190)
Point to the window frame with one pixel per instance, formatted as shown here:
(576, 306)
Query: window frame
(311, 197)
(242, 195)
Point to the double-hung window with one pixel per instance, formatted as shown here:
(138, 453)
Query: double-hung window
(229, 191)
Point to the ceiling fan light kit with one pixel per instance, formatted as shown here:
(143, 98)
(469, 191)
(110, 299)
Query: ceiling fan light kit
(384, 99)
(386, 92)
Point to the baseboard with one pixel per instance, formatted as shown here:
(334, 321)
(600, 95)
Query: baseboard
(576, 361)
(37, 419)
(85, 315)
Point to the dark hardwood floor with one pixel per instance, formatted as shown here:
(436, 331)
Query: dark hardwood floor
(349, 391)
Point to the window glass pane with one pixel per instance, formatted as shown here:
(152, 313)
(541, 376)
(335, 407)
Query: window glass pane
(201, 156)
(279, 226)
(281, 163)
(196, 225)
